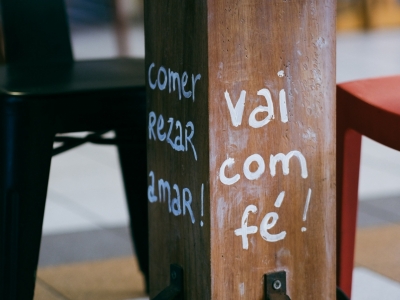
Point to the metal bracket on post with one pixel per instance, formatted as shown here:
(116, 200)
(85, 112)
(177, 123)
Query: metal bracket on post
(175, 289)
(275, 286)
(340, 295)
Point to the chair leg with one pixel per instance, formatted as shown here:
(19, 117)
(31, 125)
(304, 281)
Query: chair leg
(348, 166)
(133, 162)
(25, 156)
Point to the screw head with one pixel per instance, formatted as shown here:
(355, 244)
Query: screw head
(277, 284)
(173, 275)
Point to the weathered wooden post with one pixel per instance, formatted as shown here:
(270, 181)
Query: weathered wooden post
(241, 144)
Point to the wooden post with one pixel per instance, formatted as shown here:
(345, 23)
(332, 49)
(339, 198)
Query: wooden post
(241, 145)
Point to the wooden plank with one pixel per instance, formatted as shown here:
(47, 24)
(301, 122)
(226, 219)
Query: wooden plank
(176, 42)
(264, 78)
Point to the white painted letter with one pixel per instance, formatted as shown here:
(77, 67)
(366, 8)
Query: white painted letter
(307, 205)
(152, 85)
(189, 138)
(163, 188)
(187, 201)
(178, 140)
(269, 109)
(283, 106)
(171, 125)
(152, 122)
(225, 180)
(194, 79)
(150, 190)
(176, 202)
(162, 86)
(244, 230)
(172, 78)
(285, 163)
(266, 224)
(160, 126)
(184, 80)
(237, 111)
(246, 167)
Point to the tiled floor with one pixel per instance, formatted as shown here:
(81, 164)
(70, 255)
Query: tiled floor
(86, 247)
(111, 279)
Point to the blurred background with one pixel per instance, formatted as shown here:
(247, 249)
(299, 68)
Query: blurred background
(86, 251)
(367, 14)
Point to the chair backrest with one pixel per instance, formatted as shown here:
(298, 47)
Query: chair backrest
(35, 31)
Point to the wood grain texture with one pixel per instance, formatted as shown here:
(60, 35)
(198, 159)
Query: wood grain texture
(241, 46)
(176, 38)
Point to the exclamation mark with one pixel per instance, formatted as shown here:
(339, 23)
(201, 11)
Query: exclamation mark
(202, 203)
(283, 106)
(306, 209)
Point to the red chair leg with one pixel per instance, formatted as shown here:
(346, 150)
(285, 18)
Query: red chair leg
(348, 166)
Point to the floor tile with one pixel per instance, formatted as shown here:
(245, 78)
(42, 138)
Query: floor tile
(59, 219)
(390, 204)
(379, 172)
(380, 157)
(88, 245)
(378, 209)
(115, 279)
(85, 184)
(380, 154)
(378, 249)
(368, 285)
(45, 292)
(375, 183)
(366, 219)
(105, 155)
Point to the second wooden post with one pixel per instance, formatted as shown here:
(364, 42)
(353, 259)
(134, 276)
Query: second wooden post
(241, 151)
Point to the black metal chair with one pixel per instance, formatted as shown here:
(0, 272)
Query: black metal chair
(43, 91)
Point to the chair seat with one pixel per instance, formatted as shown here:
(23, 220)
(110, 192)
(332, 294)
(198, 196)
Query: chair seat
(383, 93)
(75, 77)
(372, 107)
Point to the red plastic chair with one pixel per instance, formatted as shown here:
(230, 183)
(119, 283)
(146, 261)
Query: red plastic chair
(365, 107)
